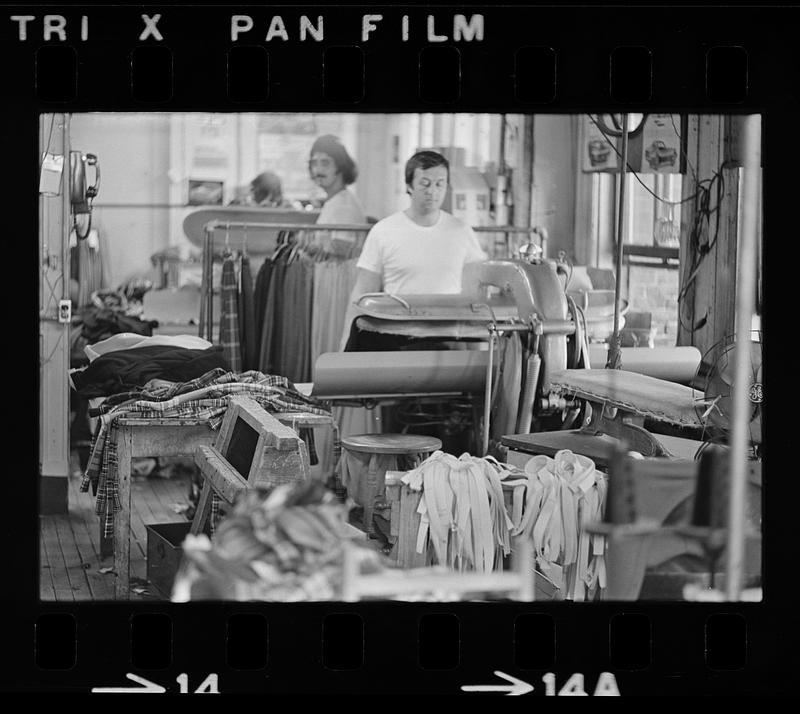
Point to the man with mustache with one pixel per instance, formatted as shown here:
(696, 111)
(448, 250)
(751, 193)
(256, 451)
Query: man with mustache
(333, 170)
(421, 250)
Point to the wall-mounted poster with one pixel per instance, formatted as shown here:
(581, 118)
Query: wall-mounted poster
(205, 193)
(661, 144)
(598, 149)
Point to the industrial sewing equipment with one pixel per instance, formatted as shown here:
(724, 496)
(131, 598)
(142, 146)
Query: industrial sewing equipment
(499, 297)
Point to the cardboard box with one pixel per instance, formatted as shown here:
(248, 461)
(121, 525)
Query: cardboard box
(164, 552)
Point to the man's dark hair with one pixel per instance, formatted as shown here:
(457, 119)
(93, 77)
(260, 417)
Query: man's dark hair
(425, 160)
(330, 145)
(266, 185)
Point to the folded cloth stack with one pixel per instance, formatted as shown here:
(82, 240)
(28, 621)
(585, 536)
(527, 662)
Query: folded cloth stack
(203, 399)
(128, 369)
(464, 516)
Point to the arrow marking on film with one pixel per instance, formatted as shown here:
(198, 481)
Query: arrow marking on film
(516, 687)
(147, 688)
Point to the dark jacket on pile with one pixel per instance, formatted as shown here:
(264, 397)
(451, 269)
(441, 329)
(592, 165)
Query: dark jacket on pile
(123, 370)
(94, 324)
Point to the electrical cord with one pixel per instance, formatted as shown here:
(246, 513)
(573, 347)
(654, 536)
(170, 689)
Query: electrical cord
(704, 212)
(703, 215)
(636, 173)
(680, 146)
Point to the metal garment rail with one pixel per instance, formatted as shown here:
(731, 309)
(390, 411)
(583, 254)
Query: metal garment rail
(239, 241)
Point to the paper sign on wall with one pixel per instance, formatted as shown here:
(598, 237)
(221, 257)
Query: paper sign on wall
(661, 144)
(597, 149)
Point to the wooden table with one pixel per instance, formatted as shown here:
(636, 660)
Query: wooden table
(146, 437)
(164, 437)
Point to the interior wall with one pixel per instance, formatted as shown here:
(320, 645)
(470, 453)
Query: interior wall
(554, 181)
(133, 214)
(133, 153)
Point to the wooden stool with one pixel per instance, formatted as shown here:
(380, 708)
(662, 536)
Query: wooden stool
(417, 447)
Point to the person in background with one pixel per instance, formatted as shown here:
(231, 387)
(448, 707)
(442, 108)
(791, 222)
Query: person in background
(421, 250)
(333, 170)
(266, 191)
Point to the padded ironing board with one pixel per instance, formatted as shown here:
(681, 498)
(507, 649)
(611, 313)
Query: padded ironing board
(629, 391)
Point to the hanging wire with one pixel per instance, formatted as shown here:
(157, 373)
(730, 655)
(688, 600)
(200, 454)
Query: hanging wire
(647, 188)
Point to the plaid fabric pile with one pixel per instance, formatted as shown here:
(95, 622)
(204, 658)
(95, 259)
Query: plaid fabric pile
(203, 399)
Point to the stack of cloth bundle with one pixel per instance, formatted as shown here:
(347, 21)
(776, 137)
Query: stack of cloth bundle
(204, 399)
(468, 524)
(283, 544)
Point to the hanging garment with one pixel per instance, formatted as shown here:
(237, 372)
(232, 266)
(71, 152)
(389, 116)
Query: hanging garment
(272, 321)
(229, 315)
(565, 494)
(293, 348)
(456, 514)
(260, 301)
(247, 317)
(465, 518)
(333, 284)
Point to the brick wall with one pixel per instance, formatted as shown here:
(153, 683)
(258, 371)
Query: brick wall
(655, 290)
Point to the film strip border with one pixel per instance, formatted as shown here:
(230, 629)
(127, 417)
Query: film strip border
(423, 649)
(715, 60)
(347, 59)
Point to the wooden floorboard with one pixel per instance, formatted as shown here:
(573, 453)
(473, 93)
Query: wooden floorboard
(58, 568)
(76, 573)
(46, 590)
(70, 562)
(82, 519)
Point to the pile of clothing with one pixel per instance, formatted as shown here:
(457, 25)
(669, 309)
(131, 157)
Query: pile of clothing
(472, 507)
(134, 361)
(283, 544)
(108, 313)
(204, 399)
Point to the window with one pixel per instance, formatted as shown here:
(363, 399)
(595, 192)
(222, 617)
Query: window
(652, 236)
(651, 220)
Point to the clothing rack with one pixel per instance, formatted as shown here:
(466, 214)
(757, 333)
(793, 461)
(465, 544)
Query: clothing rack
(256, 238)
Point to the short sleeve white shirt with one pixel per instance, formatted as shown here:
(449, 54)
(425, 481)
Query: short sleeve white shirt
(420, 260)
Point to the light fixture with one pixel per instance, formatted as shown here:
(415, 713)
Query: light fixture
(612, 124)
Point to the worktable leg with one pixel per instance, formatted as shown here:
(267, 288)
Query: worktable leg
(122, 519)
(203, 509)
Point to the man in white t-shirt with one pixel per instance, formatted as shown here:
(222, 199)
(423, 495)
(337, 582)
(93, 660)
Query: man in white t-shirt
(421, 250)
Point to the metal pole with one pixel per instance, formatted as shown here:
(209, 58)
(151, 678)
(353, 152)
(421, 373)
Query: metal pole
(614, 360)
(745, 302)
(487, 395)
